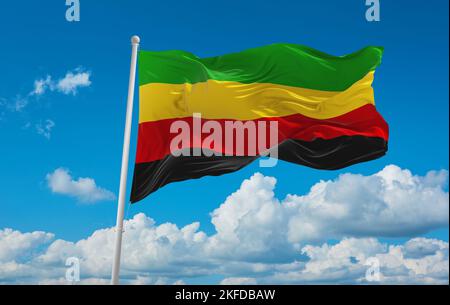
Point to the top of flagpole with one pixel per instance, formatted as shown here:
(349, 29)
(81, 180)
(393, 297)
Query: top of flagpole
(135, 39)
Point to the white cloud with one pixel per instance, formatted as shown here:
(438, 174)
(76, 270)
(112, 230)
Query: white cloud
(346, 262)
(84, 189)
(69, 84)
(14, 244)
(390, 203)
(45, 129)
(18, 104)
(72, 81)
(162, 254)
(260, 239)
(41, 85)
(238, 281)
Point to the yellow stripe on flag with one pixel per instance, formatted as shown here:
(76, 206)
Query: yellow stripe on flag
(238, 101)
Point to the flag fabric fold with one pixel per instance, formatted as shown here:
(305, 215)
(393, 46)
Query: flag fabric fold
(323, 107)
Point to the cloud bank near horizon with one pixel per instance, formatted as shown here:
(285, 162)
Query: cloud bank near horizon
(324, 236)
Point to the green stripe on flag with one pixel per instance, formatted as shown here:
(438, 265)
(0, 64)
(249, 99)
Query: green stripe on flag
(283, 64)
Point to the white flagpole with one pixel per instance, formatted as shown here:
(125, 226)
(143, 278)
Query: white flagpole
(124, 171)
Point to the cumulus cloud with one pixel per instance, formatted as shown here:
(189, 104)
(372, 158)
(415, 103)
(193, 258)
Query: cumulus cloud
(261, 239)
(350, 259)
(14, 244)
(390, 203)
(84, 189)
(160, 254)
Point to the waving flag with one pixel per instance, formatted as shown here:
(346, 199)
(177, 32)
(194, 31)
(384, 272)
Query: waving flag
(323, 107)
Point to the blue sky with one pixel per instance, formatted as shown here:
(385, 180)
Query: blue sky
(411, 91)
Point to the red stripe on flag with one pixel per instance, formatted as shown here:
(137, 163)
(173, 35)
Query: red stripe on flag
(154, 138)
